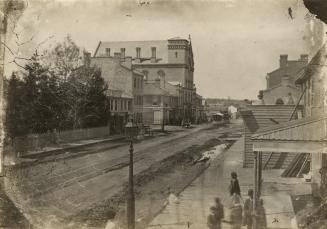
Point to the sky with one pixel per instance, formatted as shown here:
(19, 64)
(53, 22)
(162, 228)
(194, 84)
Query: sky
(235, 42)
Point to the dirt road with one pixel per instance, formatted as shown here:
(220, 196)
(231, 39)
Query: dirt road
(63, 186)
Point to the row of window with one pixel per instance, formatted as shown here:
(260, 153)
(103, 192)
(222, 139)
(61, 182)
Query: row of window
(189, 84)
(138, 100)
(138, 82)
(120, 105)
(138, 52)
(187, 96)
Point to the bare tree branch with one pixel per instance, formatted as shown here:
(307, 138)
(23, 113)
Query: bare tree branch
(25, 42)
(44, 41)
(14, 61)
(8, 48)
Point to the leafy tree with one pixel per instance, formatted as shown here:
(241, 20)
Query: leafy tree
(64, 58)
(88, 99)
(14, 121)
(56, 92)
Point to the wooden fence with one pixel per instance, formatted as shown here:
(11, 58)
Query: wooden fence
(35, 142)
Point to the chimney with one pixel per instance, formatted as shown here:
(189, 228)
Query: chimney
(304, 58)
(153, 54)
(122, 53)
(117, 55)
(87, 59)
(283, 61)
(138, 55)
(127, 62)
(285, 80)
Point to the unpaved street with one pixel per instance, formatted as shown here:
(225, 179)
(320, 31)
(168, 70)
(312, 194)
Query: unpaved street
(64, 185)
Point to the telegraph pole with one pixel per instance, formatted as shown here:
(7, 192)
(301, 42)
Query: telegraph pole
(255, 190)
(131, 131)
(131, 196)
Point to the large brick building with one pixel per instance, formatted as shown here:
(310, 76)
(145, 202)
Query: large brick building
(169, 61)
(281, 88)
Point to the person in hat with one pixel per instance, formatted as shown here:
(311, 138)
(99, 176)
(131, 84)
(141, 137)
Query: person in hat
(234, 186)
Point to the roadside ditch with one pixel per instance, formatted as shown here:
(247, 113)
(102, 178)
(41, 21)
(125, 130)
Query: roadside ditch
(152, 187)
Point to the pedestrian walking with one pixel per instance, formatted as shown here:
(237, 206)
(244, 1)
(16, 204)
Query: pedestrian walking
(234, 186)
(236, 212)
(248, 210)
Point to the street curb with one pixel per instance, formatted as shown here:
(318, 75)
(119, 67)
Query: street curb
(61, 150)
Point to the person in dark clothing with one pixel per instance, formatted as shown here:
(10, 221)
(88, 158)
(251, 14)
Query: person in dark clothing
(234, 186)
(262, 221)
(219, 207)
(248, 210)
(219, 212)
(212, 220)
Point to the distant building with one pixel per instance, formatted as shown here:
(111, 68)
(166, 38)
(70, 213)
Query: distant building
(305, 138)
(257, 117)
(200, 109)
(160, 102)
(125, 90)
(281, 88)
(167, 60)
(214, 105)
(232, 111)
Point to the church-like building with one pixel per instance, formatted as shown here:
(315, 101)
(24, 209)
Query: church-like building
(169, 91)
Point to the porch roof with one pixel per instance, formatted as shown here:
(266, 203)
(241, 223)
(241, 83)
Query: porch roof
(298, 136)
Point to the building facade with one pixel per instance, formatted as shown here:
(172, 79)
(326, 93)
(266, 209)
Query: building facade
(160, 103)
(312, 81)
(280, 83)
(169, 61)
(307, 134)
(125, 89)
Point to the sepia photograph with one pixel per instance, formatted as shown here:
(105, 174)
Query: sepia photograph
(163, 114)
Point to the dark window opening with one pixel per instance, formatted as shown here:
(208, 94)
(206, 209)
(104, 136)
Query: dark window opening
(107, 51)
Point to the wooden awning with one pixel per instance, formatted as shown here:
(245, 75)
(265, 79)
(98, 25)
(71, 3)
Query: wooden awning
(307, 135)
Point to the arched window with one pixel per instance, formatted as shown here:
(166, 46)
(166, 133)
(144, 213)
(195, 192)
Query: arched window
(145, 73)
(279, 101)
(161, 73)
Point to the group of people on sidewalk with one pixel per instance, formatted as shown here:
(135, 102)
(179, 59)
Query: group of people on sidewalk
(241, 213)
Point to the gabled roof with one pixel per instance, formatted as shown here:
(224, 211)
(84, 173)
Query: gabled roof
(317, 62)
(154, 89)
(292, 68)
(280, 85)
(306, 129)
(260, 116)
(119, 94)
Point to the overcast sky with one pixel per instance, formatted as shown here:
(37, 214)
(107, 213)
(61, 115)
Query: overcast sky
(235, 42)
